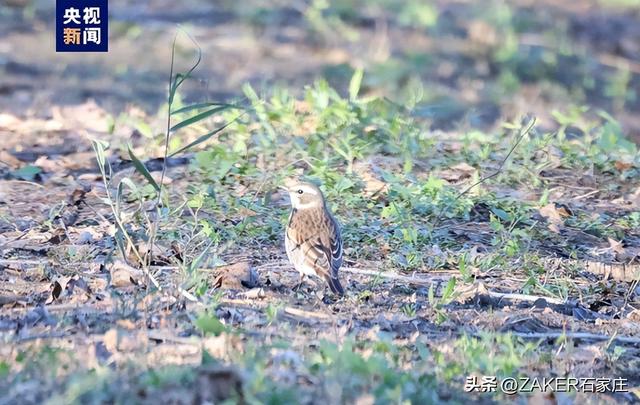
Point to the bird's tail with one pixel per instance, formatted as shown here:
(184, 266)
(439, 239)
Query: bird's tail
(334, 285)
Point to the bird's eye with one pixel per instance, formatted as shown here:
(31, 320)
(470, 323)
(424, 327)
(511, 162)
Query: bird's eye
(300, 191)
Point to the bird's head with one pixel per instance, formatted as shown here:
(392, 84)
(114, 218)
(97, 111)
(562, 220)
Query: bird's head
(304, 195)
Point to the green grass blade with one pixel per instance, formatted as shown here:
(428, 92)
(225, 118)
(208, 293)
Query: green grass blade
(199, 106)
(118, 198)
(205, 137)
(449, 289)
(142, 169)
(198, 117)
(180, 78)
(354, 84)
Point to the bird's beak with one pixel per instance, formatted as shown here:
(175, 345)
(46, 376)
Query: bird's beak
(283, 188)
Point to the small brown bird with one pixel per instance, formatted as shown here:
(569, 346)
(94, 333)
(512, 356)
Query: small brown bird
(312, 238)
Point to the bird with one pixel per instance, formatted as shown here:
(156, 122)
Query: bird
(313, 240)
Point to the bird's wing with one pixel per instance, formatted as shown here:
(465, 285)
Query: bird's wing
(334, 253)
(330, 244)
(319, 249)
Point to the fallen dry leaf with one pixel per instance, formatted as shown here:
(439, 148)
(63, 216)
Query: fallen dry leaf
(77, 196)
(373, 183)
(482, 34)
(157, 175)
(254, 293)
(9, 160)
(456, 173)
(219, 346)
(65, 286)
(554, 218)
(159, 253)
(56, 289)
(124, 275)
(615, 246)
(622, 166)
(119, 340)
(236, 276)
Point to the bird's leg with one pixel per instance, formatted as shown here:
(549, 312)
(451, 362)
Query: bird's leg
(297, 287)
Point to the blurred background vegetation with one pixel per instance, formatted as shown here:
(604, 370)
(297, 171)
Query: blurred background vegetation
(395, 107)
(466, 64)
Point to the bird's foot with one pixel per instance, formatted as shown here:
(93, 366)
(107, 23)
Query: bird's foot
(330, 298)
(297, 287)
(327, 299)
